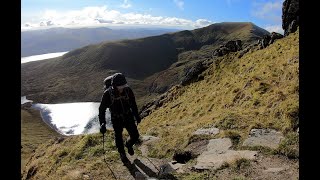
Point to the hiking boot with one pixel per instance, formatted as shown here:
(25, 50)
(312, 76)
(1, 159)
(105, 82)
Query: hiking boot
(124, 158)
(130, 149)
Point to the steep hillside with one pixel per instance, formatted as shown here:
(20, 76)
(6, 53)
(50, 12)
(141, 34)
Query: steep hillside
(33, 133)
(65, 39)
(258, 90)
(208, 40)
(78, 75)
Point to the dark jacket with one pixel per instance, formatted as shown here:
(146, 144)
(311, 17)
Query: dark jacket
(118, 104)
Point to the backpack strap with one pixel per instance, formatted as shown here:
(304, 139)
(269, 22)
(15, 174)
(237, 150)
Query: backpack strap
(111, 95)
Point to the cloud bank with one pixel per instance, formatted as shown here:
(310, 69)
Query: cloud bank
(101, 16)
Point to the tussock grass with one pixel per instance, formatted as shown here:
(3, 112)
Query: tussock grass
(240, 164)
(258, 90)
(289, 146)
(74, 157)
(31, 138)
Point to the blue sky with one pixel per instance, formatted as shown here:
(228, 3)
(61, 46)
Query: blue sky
(182, 14)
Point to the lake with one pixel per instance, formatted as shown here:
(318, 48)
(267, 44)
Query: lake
(71, 118)
(41, 57)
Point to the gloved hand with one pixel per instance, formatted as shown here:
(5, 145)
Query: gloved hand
(103, 128)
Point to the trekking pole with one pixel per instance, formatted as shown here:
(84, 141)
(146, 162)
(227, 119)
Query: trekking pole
(104, 158)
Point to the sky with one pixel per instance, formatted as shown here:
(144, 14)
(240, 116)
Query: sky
(177, 14)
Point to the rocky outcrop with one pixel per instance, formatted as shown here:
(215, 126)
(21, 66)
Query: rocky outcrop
(290, 16)
(159, 101)
(264, 137)
(230, 46)
(262, 43)
(191, 74)
(275, 36)
(248, 48)
(269, 39)
(198, 147)
(218, 152)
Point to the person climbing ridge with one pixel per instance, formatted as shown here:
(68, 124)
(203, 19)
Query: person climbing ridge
(120, 100)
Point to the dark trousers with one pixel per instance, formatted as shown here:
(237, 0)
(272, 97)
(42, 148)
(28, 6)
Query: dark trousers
(120, 122)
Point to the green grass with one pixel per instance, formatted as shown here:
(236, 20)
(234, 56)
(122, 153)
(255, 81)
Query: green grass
(241, 164)
(34, 132)
(290, 146)
(265, 76)
(75, 154)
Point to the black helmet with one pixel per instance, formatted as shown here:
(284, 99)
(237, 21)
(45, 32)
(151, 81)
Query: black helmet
(107, 81)
(118, 80)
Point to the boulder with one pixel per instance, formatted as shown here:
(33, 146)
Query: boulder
(167, 170)
(290, 16)
(275, 36)
(265, 41)
(218, 152)
(230, 46)
(233, 46)
(198, 147)
(264, 137)
(192, 73)
(178, 167)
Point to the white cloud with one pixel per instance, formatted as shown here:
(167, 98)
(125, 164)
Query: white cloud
(179, 4)
(101, 16)
(202, 22)
(268, 11)
(126, 4)
(275, 28)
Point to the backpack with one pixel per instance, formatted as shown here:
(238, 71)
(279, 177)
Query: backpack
(113, 98)
(118, 79)
(107, 82)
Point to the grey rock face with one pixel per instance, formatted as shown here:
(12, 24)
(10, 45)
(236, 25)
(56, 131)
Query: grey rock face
(230, 46)
(218, 153)
(192, 73)
(290, 16)
(264, 137)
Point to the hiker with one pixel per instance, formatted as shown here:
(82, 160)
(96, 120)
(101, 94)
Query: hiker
(120, 100)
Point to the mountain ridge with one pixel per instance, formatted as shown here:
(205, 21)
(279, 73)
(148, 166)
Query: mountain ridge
(60, 39)
(137, 59)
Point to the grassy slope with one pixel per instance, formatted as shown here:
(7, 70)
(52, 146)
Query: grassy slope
(33, 133)
(76, 156)
(203, 103)
(258, 90)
